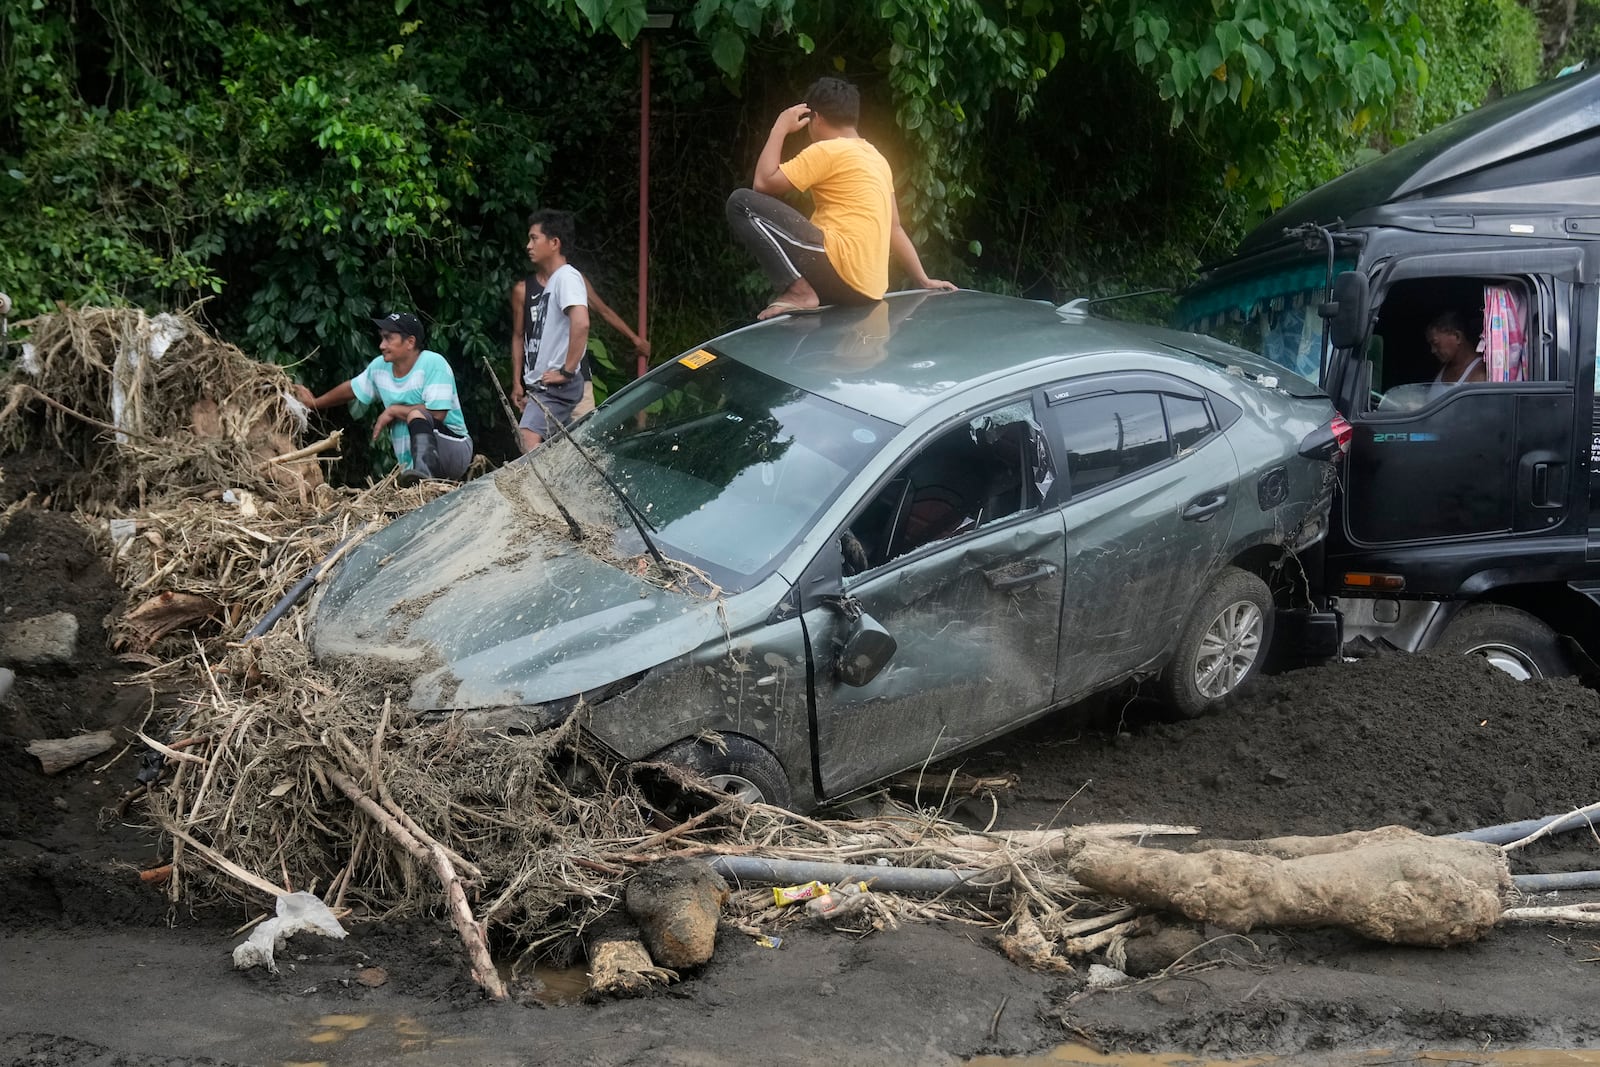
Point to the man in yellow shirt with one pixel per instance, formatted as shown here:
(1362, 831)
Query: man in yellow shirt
(841, 254)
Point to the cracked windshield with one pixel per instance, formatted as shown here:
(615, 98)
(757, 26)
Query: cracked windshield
(727, 466)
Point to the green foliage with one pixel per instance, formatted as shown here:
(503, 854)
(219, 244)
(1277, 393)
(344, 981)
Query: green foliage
(1486, 48)
(302, 165)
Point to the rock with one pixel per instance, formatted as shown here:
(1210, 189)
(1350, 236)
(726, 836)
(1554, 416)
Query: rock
(1160, 950)
(43, 639)
(1103, 977)
(677, 904)
(8, 678)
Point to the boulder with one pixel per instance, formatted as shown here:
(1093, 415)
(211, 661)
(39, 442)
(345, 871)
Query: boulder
(41, 640)
(677, 904)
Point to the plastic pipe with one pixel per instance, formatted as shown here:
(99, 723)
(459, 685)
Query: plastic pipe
(296, 591)
(889, 879)
(1544, 883)
(1505, 833)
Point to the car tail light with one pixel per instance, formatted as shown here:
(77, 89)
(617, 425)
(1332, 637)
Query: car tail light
(1328, 442)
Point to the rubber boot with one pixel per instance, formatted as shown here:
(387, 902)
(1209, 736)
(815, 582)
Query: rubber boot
(424, 453)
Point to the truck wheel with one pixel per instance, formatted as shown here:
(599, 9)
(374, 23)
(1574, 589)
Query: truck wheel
(1222, 645)
(1518, 643)
(745, 770)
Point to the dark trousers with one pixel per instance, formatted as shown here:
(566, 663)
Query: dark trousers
(787, 246)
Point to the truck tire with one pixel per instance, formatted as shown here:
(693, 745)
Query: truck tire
(1223, 644)
(1518, 643)
(745, 770)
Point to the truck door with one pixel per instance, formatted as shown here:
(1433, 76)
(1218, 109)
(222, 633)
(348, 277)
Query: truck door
(1489, 451)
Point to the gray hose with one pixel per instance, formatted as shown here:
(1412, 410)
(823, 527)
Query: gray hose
(889, 879)
(1544, 883)
(1506, 833)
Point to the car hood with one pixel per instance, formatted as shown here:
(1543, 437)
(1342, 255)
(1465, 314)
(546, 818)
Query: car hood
(484, 599)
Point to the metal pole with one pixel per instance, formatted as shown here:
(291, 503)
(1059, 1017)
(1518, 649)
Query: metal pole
(644, 193)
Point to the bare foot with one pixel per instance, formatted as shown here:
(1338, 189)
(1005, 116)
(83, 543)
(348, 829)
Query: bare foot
(798, 297)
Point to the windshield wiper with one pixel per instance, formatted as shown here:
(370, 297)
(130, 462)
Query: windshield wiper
(640, 520)
(572, 524)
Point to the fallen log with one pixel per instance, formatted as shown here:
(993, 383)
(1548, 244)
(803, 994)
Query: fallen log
(622, 967)
(57, 754)
(1391, 884)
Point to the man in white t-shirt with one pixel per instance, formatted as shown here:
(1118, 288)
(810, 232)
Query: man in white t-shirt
(544, 374)
(421, 410)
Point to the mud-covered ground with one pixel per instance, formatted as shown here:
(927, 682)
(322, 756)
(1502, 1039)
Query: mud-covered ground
(95, 969)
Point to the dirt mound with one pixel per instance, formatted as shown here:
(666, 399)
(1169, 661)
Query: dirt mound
(1436, 742)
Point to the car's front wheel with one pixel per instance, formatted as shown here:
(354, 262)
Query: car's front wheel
(741, 768)
(1512, 640)
(1222, 645)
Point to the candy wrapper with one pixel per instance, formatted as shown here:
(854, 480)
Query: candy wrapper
(793, 894)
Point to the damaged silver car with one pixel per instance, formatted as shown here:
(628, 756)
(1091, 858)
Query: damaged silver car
(827, 547)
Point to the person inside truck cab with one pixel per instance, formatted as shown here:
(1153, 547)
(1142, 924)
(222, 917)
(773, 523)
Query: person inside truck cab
(1451, 344)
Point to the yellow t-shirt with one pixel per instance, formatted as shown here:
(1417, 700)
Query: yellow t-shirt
(854, 194)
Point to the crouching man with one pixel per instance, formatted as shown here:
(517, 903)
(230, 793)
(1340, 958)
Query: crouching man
(421, 410)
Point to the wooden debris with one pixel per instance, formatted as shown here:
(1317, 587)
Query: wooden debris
(483, 969)
(1391, 885)
(161, 615)
(58, 754)
(622, 968)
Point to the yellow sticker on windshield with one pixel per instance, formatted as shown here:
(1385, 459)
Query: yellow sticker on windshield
(696, 360)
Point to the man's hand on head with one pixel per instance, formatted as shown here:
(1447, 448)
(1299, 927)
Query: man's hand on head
(792, 119)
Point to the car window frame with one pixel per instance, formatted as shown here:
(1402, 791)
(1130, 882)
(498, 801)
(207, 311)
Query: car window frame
(1058, 398)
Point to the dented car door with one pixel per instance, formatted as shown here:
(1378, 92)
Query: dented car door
(961, 564)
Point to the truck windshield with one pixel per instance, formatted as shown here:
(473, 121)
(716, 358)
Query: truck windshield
(1272, 313)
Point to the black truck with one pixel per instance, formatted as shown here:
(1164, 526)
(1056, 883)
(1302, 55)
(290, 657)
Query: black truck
(1468, 516)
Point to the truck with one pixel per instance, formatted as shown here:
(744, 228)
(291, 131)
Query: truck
(1466, 517)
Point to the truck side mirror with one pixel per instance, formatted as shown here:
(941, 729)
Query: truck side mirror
(866, 651)
(1346, 314)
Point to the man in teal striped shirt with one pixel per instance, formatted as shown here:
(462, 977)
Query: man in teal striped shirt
(421, 410)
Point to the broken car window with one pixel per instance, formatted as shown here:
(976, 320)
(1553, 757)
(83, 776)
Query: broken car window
(969, 477)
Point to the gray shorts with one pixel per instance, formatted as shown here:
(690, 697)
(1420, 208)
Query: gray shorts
(550, 402)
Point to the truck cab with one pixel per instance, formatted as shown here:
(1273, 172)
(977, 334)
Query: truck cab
(1466, 517)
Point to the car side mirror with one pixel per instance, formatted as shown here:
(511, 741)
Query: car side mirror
(866, 652)
(1346, 313)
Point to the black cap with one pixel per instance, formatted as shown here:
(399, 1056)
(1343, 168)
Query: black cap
(401, 322)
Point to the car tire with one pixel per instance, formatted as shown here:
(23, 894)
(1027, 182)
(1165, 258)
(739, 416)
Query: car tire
(1223, 644)
(1516, 642)
(745, 770)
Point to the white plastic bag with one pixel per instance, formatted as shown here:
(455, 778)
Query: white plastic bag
(296, 912)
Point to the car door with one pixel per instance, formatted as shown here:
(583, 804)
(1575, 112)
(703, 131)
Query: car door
(1149, 483)
(956, 557)
(1474, 460)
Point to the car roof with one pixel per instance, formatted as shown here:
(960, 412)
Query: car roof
(904, 354)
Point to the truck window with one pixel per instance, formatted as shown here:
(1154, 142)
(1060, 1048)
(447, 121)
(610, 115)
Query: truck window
(1272, 313)
(1434, 334)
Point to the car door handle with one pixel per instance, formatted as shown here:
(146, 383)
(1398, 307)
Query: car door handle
(1205, 505)
(1021, 574)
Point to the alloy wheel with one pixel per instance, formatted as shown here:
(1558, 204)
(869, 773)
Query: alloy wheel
(1229, 649)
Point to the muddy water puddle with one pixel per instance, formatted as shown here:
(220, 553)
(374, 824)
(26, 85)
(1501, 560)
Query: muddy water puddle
(372, 1037)
(1084, 1056)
